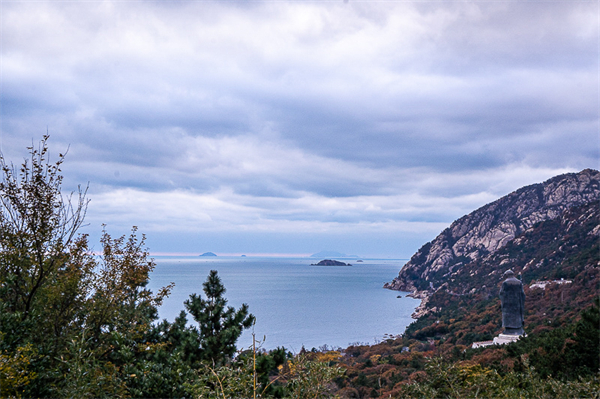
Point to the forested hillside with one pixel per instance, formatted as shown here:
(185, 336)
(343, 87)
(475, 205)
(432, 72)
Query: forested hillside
(563, 251)
(558, 260)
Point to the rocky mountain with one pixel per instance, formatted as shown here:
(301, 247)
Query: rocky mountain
(558, 261)
(491, 227)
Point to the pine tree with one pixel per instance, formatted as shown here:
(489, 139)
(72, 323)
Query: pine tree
(220, 325)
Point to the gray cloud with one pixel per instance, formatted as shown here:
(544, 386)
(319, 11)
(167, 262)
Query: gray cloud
(301, 118)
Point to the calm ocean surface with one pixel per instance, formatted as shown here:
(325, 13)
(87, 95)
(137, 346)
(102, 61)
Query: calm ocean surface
(296, 304)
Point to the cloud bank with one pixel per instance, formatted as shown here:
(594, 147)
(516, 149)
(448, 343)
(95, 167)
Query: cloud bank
(300, 126)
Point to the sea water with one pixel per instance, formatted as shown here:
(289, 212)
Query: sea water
(296, 304)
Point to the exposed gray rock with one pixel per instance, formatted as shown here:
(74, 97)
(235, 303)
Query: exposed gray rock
(492, 226)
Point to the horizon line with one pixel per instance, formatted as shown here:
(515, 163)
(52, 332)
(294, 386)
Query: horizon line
(237, 254)
(265, 255)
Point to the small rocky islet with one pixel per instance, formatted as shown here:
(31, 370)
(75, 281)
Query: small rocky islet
(329, 262)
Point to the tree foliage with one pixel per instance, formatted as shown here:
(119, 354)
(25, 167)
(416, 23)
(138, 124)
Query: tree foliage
(471, 380)
(73, 324)
(42, 260)
(220, 325)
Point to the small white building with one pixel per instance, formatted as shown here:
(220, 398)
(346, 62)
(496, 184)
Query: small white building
(543, 283)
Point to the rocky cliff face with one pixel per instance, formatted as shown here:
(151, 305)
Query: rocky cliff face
(491, 227)
(558, 261)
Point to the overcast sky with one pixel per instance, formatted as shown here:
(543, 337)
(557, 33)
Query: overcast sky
(291, 127)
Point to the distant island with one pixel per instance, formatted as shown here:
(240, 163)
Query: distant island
(208, 254)
(329, 262)
(332, 254)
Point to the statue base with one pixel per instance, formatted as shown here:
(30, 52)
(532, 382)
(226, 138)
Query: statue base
(501, 339)
(513, 331)
(507, 339)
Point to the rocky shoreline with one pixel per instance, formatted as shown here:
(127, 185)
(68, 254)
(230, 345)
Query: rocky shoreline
(422, 309)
